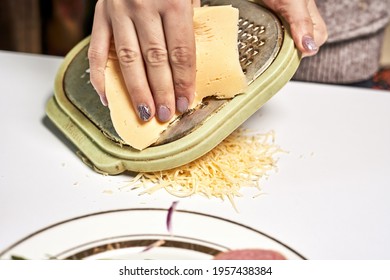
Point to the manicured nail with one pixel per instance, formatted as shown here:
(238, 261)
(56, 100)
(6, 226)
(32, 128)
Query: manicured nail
(182, 104)
(103, 99)
(163, 113)
(309, 44)
(144, 112)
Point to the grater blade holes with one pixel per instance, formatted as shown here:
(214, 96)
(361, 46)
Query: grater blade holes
(249, 41)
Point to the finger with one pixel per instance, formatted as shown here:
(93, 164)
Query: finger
(320, 30)
(154, 50)
(195, 3)
(181, 49)
(98, 50)
(132, 66)
(296, 13)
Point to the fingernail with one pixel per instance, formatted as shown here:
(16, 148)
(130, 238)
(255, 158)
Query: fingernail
(182, 104)
(144, 112)
(309, 44)
(103, 99)
(163, 113)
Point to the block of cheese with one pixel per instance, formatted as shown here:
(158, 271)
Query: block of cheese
(218, 74)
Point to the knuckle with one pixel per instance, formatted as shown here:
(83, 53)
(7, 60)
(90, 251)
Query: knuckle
(175, 4)
(94, 54)
(137, 4)
(133, 7)
(114, 7)
(181, 55)
(156, 56)
(127, 56)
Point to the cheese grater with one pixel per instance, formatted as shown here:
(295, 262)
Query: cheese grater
(268, 58)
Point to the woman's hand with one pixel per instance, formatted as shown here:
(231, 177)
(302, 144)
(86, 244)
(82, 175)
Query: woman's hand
(308, 29)
(155, 45)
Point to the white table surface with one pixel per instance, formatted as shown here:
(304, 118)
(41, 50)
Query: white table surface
(330, 198)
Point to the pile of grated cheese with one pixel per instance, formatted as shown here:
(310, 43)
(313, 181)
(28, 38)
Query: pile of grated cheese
(241, 160)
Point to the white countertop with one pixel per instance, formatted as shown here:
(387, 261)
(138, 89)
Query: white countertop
(330, 198)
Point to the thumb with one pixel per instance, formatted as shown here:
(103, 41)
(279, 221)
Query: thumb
(297, 15)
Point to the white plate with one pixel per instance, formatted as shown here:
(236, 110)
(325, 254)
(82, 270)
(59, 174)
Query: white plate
(124, 234)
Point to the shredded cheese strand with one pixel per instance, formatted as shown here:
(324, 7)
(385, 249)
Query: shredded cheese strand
(241, 160)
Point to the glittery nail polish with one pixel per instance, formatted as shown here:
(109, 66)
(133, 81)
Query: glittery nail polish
(163, 113)
(309, 44)
(182, 104)
(143, 112)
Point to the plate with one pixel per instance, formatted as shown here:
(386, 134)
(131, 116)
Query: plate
(129, 234)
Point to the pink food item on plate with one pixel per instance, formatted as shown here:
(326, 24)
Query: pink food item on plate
(249, 254)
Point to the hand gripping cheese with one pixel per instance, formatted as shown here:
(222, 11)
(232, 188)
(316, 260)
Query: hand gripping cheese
(218, 73)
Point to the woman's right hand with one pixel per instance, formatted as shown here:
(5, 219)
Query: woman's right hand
(155, 45)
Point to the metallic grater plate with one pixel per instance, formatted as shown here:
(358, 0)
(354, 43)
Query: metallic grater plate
(76, 109)
(260, 37)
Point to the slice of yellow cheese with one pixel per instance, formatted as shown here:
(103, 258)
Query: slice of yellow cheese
(218, 73)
